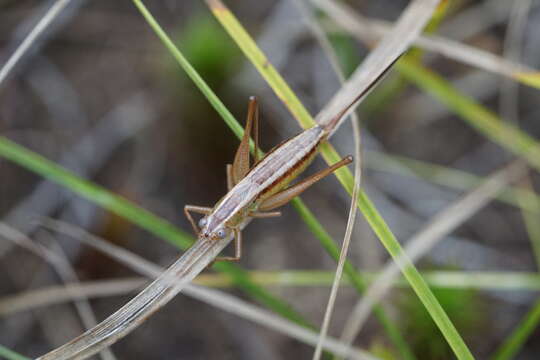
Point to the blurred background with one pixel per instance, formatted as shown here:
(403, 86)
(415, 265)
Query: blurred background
(99, 94)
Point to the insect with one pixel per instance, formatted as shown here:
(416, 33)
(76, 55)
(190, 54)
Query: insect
(255, 191)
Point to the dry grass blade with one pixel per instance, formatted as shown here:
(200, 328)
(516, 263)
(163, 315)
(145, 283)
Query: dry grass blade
(69, 292)
(212, 297)
(441, 224)
(490, 280)
(42, 24)
(371, 29)
(142, 306)
(328, 50)
(395, 43)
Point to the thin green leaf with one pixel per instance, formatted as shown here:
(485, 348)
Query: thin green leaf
(510, 348)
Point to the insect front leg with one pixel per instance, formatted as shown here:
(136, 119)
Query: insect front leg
(196, 209)
(237, 248)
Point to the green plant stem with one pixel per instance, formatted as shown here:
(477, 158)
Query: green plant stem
(511, 346)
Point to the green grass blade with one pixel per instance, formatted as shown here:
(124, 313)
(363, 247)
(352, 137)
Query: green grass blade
(8, 354)
(515, 341)
(480, 280)
(137, 215)
(381, 229)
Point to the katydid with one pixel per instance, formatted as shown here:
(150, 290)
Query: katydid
(254, 191)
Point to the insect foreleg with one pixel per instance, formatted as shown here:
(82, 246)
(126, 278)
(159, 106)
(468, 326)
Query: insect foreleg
(197, 209)
(237, 248)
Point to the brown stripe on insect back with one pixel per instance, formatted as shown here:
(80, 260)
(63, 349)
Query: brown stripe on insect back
(298, 164)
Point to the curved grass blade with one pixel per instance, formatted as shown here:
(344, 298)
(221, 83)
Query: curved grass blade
(381, 229)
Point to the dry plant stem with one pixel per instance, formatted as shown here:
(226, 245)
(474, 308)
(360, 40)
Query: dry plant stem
(42, 24)
(380, 58)
(441, 225)
(327, 48)
(371, 30)
(148, 301)
(215, 298)
(32, 299)
(45, 296)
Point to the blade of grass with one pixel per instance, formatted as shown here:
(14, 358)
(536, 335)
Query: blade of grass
(508, 108)
(377, 223)
(511, 346)
(332, 58)
(32, 36)
(45, 296)
(10, 354)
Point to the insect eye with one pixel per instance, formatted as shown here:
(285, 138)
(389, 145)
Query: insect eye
(202, 222)
(221, 233)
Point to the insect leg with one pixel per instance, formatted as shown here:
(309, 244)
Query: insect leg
(237, 248)
(260, 214)
(197, 209)
(230, 181)
(284, 196)
(241, 165)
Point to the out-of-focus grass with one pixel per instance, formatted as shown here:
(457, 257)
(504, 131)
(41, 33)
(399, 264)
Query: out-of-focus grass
(483, 120)
(283, 91)
(515, 341)
(511, 346)
(450, 177)
(10, 354)
(485, 280)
